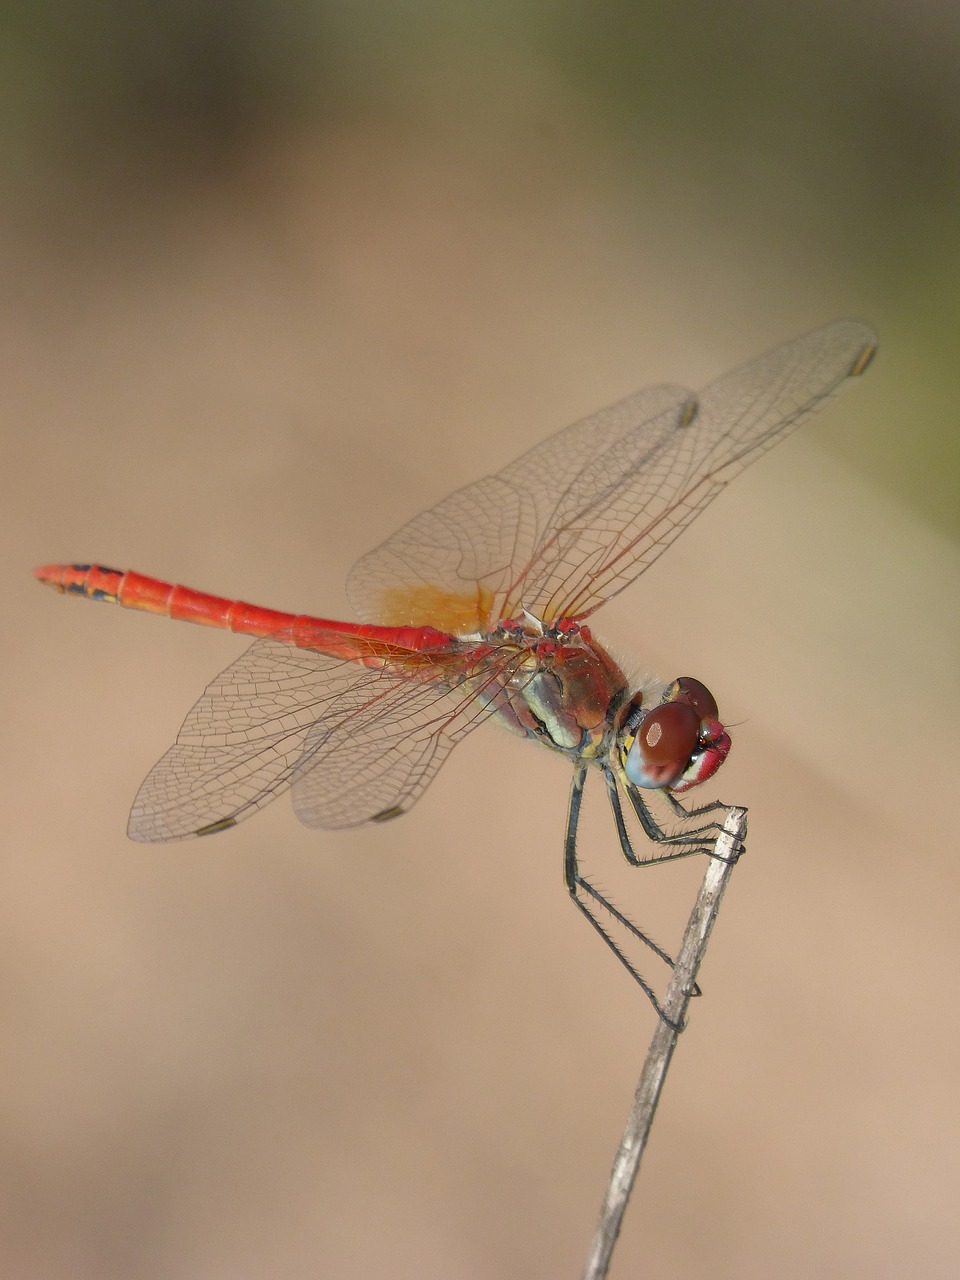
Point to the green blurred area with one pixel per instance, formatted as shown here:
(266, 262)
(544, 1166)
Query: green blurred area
(807, 129)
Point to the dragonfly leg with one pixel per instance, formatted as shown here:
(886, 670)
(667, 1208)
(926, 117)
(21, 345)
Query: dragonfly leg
(585, 896)
(683, 812)
(688, 845)
(635, 860)
(699, 840)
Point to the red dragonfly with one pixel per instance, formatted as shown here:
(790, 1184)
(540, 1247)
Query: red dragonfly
(477, 610)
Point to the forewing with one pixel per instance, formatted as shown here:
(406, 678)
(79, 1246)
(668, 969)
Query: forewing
(577, 518)
(630, 502)
(457, 566)
(278, 712)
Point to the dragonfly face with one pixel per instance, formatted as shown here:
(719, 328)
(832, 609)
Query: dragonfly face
(677, 744)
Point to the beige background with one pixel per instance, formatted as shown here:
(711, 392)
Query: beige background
(268, 293)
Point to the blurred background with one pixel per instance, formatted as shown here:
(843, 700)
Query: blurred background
(276, 277)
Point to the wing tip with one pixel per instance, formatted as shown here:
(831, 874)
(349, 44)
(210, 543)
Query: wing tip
(145, 832)
(690, 410)
(387, 815)
(211, 828)
(863, 358)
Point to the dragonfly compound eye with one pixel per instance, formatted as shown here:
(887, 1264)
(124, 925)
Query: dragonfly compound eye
(695, 694)
(663, 745)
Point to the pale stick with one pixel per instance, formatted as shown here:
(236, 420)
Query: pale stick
(675, 1002)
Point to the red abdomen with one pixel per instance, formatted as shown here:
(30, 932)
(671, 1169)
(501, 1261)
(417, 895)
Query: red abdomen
(359, 642)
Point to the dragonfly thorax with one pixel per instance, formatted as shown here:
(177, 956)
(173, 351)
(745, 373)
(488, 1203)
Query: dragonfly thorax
(565, 690)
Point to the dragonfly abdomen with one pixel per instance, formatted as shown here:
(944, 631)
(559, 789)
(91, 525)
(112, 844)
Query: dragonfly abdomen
(136, 591)
(365, 643)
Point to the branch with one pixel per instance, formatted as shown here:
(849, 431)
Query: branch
(647, 1095)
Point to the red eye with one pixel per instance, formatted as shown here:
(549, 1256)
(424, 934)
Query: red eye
(666, 739)
(694, 694)
(668, 735)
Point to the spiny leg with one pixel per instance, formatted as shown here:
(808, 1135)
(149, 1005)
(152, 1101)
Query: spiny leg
(576, 884)
(698, 840)
(689, 844)
(683, 812)
(634, 858)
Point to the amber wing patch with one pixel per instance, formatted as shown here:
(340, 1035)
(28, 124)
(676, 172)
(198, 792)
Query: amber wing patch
(459, 613)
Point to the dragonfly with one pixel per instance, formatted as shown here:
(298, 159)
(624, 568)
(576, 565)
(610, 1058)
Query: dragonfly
(478, 610)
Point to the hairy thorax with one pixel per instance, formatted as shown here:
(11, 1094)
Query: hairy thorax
(565, 691)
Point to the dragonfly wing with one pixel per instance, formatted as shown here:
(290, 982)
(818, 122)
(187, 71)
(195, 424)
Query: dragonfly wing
(628, 504)
(278, 712)
(577, 518)
(240, 744)
(456, 566)
(373, 761)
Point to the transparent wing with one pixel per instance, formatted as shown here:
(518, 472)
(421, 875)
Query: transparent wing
(456, 566)
(355, 743)
(627, 506)
(374, 758)
(576, 519)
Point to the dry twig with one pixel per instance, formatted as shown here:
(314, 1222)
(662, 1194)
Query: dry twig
(675, 1002)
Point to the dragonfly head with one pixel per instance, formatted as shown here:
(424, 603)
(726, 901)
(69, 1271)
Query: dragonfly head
(677, 744)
